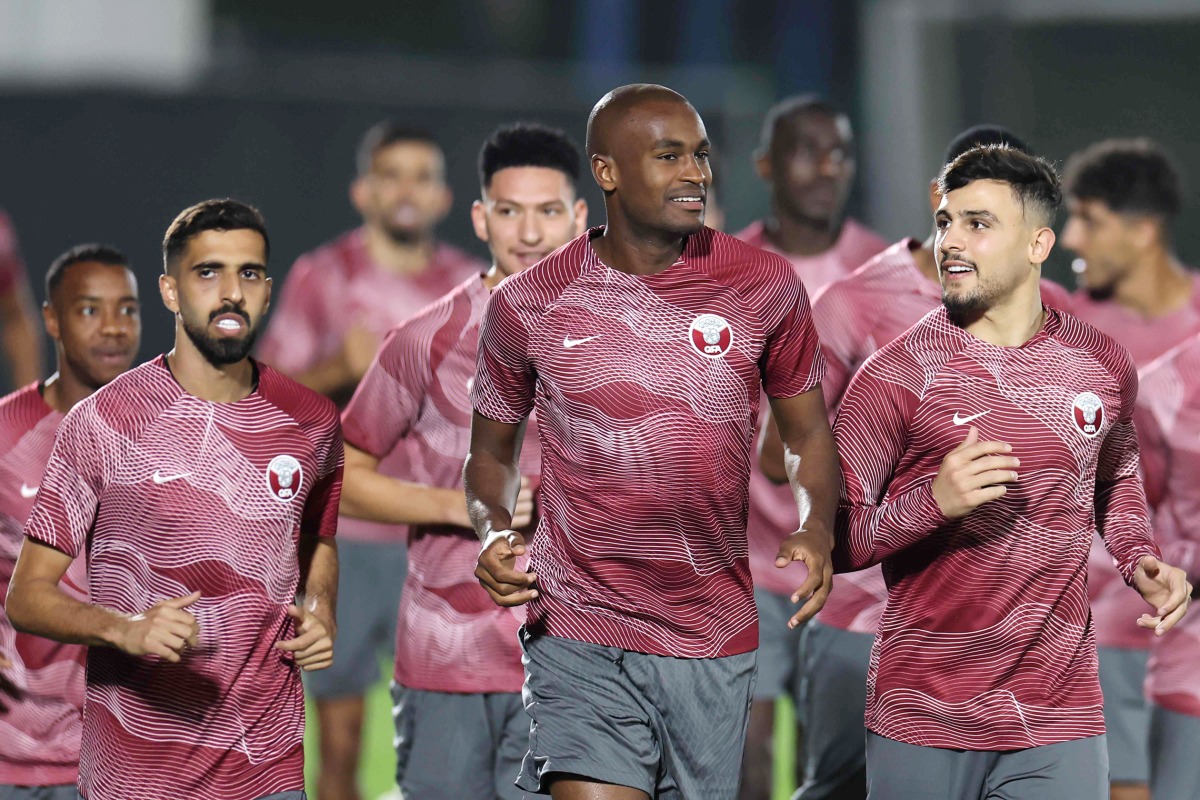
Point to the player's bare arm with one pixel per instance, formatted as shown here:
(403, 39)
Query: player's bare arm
(367, 494)
(811, 461)
(36, 605)
(972, 474)
(492, 482)
(315, 611)
(20, 336)
(770, 451)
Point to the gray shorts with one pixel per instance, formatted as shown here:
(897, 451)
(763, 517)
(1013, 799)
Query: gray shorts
(834, 750)
(455, 746)
(673, 728)
(1126, 713)
(778, 648)
(1174, 767)
(1076, 770)
(369, 580)
(62, 791)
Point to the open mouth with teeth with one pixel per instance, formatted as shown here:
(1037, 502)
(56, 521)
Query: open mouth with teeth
(691, 202)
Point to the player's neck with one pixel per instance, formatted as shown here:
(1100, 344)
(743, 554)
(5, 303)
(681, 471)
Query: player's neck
(800, 236)
(1011, 322)
(636, 249)
(63, 390)
(201, 378)
(492, 278)
(1156, 287)
(402, 258)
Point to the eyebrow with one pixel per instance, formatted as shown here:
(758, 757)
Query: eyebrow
(91, 298)
(222, 265)
(667, 144)
(984, 214)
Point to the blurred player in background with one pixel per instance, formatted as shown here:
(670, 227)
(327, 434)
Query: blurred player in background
(458, 672)
(337, 304)
(806, 157)
(645, 346)
(1123, 196)
(203, 488)
(92, 314)
(19, 336)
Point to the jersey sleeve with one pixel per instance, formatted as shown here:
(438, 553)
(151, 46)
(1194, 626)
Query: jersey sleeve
(1121, 513)
(792, 363)
(295, 339)
(505, 380)
(321, 507)
(871, 431)
(388, 399)
(69, 495)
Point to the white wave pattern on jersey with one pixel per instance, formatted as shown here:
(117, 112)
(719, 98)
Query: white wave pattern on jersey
(985, 643)
(170, 494)
(1169, 428)
(450, 636)
(647, 430)
(40, 721)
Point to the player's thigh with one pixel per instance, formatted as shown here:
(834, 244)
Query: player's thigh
(1174, 757)
(510, 737)
(778, 646)
(902, 771)
(1075, 770)
(1126, 713)
(700, 708)
(66, 791)
(443, 745)
(587, 718)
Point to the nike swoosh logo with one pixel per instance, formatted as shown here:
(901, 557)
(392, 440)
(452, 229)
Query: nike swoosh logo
(28, 491)
(568, 342)
(964, 420)
(160, 478)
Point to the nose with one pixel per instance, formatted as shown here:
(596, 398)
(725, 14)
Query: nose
(530, 229)
(833, 163)
(1072, 235)
(231, 287)
(696, 171)
(949, 239)
(115, 323)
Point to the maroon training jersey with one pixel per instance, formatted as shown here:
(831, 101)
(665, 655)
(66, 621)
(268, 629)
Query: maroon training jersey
(647, 394)
(337, 287)
(413, 402)
(1169, 429)
(169, 494)
(40, 718)
(985, 643)
(1114, 609)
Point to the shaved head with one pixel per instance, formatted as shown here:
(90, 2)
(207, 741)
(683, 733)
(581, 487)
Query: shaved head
(621, 105)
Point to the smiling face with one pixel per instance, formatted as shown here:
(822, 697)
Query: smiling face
(220, 292)
(811, 166)
(1110, 244)
(95, 320)
(525, 214)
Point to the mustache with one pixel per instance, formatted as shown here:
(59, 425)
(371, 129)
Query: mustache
(229, 309)
(947, 257)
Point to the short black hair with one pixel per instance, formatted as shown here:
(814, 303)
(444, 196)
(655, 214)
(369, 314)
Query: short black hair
(1032, 178)
(385, 134)
(211, 215)
(80, 253)
(1130, 176)
(980, 135)
(528, 144)
(792, 107)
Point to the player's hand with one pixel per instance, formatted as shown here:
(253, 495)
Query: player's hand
(165, 629)
(497, 571)
(522, 513)
(4, 662)
(972, 474)
(813, 547)
(359, 346)
(1164, 587)
(313, 646)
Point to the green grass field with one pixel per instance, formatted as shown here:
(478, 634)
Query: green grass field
(377, 770)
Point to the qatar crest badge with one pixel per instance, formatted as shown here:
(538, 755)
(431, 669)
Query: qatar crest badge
(1088, 413)
(284, 478)
(711, 335)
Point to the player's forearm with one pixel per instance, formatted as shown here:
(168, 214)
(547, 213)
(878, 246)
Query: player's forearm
(40, 608)
(1124, 523)
(368, 495)
(329, 377)
(318, 593)
(869, 533)
(22, 347)
(811, 464)
(491, 487)
(771, 452)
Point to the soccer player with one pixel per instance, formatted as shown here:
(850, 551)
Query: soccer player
(337, 304)
(19, 338)
(91, 313)
(983, 676)
(1123, 196)
(458, 659)
(806, 156)
(203, 488)
(1168, 425)
(644, 346)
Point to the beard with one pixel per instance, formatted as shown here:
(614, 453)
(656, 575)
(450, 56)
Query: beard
(960, 306)
(221, 351)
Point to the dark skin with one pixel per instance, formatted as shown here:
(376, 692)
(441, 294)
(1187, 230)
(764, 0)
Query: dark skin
(649, 153)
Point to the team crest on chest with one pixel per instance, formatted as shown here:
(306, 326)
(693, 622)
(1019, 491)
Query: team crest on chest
(711, 335)
(1088, 413)
(284, 478)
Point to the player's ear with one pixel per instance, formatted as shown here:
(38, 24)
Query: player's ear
(479, 220)
(581, 212)
(447, 203)
(360, 195)
(267, 305)
(169, 289)
(1041, 245)
(50, 319)
(605, 172)
(762, 164)
(935, 197)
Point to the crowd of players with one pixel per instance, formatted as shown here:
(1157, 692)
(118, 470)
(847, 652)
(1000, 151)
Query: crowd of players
(637, 607)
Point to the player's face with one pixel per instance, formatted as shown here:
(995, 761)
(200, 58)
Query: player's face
(526, 214)
(811, 166)
(983, 245)
(95, 319)
(1103, 240)
(660, 168)
(220, 291)
(405, 193)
